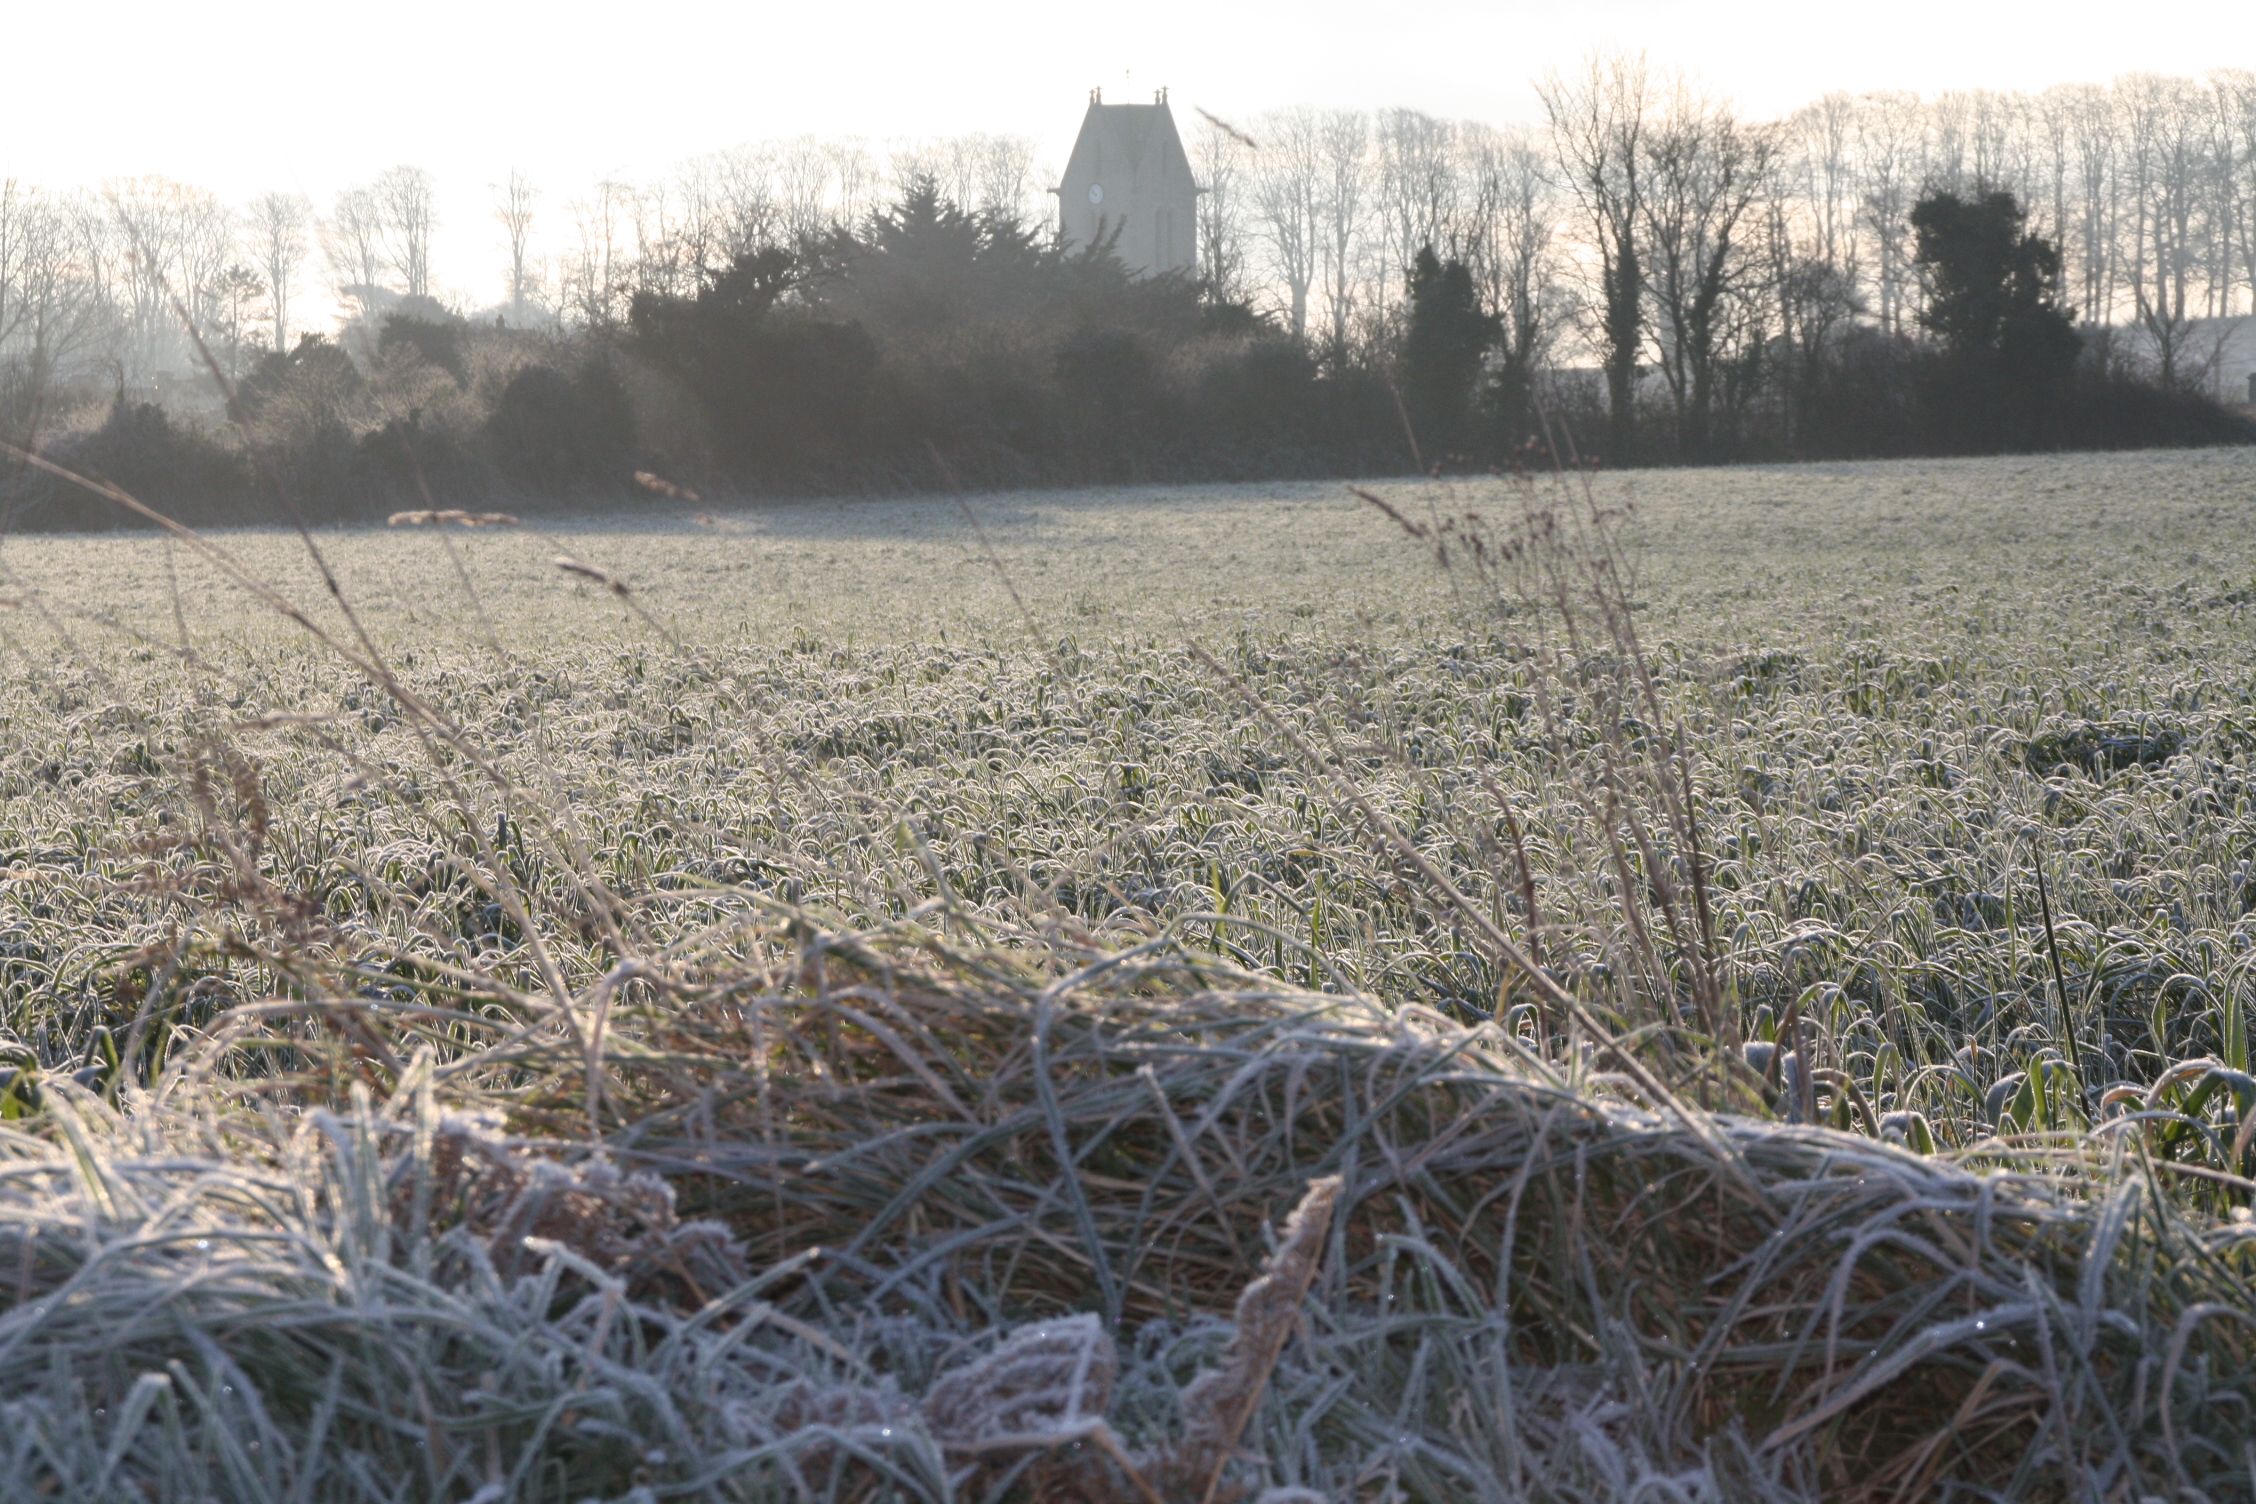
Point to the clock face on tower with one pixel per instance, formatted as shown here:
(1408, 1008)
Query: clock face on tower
(1096, 193)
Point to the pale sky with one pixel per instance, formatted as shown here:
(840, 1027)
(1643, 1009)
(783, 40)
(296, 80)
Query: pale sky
(311, 97)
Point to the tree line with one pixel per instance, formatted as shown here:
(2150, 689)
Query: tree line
(1717, 274)
(1643, 270)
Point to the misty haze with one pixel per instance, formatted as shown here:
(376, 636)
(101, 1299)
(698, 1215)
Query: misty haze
(1265, 754)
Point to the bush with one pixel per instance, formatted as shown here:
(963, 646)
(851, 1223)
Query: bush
(1253, 402)
(436, 342)
(2115, 411)
(142, 451)
(410, 460)
(554, 432)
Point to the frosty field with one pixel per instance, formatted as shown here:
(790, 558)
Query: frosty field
(1733, 554)
(842, 1016)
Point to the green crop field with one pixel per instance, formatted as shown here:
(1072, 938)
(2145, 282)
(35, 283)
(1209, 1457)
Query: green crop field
(1744, 974)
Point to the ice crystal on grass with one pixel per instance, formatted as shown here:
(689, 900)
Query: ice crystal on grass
(1044, 1386)
(514, 1199)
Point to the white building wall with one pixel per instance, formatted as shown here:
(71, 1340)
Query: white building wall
(1149, 196)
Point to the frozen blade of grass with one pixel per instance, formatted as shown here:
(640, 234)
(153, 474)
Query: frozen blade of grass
(1108, 1290)
(1390, 835)
(2180, 1338)
(147, 1390)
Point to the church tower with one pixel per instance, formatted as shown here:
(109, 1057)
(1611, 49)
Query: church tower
(1129, 183)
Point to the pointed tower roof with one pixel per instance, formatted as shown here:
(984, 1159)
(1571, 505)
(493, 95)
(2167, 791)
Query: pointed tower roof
(1119, 138)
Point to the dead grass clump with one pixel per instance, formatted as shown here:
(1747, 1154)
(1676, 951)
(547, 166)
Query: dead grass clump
(1115, 1142)
(517, 1201)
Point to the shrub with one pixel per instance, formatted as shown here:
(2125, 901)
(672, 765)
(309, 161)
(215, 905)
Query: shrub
(559, 432)
(141, 450)
(437, 342)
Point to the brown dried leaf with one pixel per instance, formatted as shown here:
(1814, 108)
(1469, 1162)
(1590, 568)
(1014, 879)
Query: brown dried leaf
(571, 565)
(661, 486)
(454, 515)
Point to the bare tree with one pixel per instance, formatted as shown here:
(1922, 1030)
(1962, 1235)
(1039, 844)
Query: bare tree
(515, 201)
(1948, 142)
(2221, 168)
(1597, 126)
(1999, 139)
(1511, 246)
(596, 274)
(659, 265)
(162, 231)
(749, 215)
(98, 253)
(961, 160)
(2093, 136)
(908, 162)
(206, 250)
(1000, 168)
(279, 222)
(1814, 297)
(48, 306)
(2053, 121)
(1220, 156)
(233, 300)
(1287, 185)
(1888, 128)
(16, 208)
(1704, 171)
(352, 242)
(697, 189)
(2161, 150)
(1417, 195)
(1823, 146)
(2238, 87)
(802, 180)
(853, 177)
(1345, 137)
(406, 202)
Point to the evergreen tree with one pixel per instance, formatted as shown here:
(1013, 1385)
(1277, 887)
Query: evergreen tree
(2009, 347)
(1443, 349)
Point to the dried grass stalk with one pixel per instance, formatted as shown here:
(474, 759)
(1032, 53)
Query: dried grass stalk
(1222, 1399)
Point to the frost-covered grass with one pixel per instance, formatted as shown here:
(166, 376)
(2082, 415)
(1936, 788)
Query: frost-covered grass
(761, 943)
